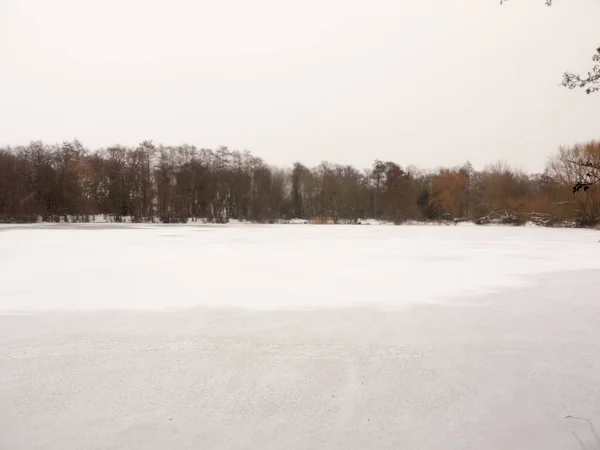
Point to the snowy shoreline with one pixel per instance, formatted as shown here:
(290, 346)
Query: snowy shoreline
(567, 225)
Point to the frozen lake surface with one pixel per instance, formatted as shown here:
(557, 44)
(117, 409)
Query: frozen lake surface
(303, 337)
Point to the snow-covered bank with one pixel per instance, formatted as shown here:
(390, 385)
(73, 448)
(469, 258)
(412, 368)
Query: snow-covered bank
(495, 219)
(428, 338)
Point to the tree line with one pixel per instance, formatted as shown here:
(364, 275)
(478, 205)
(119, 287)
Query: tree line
(175, 183)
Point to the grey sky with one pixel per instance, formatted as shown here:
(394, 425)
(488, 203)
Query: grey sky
(425, 82)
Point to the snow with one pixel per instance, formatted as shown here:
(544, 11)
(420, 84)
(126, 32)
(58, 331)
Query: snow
(89, 267)
(120, 336)
(373, 222)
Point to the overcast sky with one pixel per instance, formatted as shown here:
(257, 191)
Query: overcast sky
(424, 82)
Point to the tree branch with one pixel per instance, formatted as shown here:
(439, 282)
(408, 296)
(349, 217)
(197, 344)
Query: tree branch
(589, 82)
(589, 179)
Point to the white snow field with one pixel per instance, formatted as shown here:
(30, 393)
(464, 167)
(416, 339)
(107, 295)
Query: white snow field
(299, 337)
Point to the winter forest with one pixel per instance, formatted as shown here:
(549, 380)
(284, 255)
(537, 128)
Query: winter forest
(174, 184)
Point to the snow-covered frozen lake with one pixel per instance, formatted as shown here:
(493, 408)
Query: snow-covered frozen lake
(298, 337)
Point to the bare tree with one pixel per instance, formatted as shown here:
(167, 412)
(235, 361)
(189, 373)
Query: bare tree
(69, 182)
